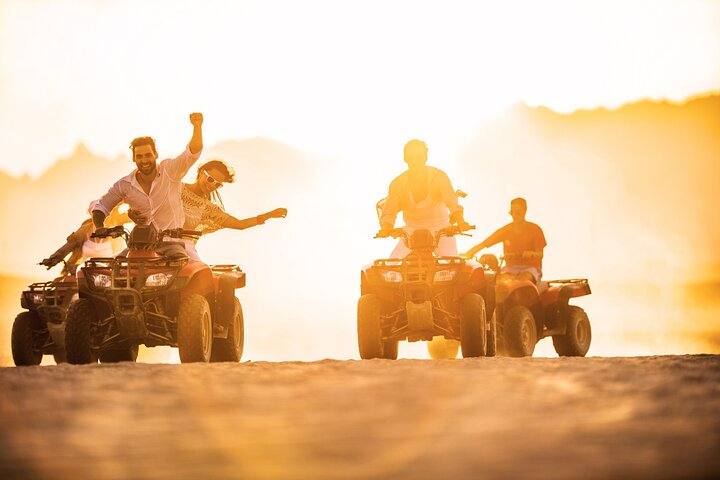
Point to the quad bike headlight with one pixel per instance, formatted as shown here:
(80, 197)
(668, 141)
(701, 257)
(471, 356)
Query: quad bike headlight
(444, 275)
(101, 280)
(391, 276)
(36, 298)
(158, 280)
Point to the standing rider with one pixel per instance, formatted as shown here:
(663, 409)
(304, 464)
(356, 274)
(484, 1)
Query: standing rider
(154, 190)
(427, 199)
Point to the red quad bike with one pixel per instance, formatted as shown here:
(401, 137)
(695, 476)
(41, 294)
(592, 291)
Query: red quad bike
(154, 300)
(527, 313)
(40, 330)
(424, 295)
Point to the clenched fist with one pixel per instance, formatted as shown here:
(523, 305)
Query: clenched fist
(196, 119)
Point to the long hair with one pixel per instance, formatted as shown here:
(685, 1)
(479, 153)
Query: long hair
(226, 169)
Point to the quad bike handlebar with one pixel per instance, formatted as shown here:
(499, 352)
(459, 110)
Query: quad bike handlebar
(110, 232)
(119, 231)
(450, 231)
(180, 233)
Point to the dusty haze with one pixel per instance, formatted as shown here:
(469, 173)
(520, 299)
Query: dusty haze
(626, 197)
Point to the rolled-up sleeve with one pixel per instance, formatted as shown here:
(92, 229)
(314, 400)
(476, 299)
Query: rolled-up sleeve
(448, 194)
(177, 167)
(108, 201)
(392, 204)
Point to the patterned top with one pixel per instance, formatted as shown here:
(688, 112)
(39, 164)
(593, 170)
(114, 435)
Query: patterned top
(201, 213)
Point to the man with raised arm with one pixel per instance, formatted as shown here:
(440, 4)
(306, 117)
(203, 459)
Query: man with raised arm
(154, 189)
(427, 199)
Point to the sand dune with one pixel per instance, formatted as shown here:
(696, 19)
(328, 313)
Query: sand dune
(642, 417)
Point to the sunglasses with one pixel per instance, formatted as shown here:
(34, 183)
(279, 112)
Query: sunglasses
(212, 181)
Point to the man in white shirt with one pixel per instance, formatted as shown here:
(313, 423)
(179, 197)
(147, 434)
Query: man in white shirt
(427, 199)
(153, 190)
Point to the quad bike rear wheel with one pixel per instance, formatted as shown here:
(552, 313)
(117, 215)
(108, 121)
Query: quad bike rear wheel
(520, 332)
(472, 318)
(578, 334)
(78, 324)
(369, 329)
(26, 349)
(441, 348)
(194, 331)
(230, 349)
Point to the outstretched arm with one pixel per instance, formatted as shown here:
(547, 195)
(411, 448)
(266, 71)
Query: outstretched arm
(232, 222)
(493, 239)
(74, 241)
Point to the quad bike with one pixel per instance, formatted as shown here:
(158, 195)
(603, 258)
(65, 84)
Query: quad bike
(40, 329)
(149, 299)
(422, 296)
(528, 312)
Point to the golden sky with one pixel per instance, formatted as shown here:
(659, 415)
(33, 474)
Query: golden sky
(329, 76)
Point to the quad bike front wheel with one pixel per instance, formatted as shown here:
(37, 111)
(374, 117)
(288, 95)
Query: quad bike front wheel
(473, 322)
(520, 332)
(441, 348)
(390, 350)
(491, 348)
(26, 349)
(369, 329)
(578, 334)
(194, 331)
(230, 349)
(78, 324)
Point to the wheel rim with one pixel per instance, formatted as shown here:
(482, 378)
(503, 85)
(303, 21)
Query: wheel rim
(206, 337)
(525, 334)
(237, 335)
(581, 333)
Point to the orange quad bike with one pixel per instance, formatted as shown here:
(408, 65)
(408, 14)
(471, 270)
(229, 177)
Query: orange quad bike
(422, 296)
(40, 329)
(150, 299)
(528, 311)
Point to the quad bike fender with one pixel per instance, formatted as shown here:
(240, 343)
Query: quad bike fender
(523, 293)
(562, 293)
(470, 280)
(225, 297)
(199, 279)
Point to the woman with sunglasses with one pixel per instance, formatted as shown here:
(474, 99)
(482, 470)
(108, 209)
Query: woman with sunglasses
(203, 206)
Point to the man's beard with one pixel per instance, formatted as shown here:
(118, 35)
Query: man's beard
(147, 169)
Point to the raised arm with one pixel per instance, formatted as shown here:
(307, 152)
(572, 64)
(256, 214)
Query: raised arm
(177, 167)
(196, 141)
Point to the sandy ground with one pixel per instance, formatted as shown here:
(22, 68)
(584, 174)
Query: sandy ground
(642, 417)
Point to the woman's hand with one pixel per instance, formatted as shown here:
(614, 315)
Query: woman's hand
(277, 213)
